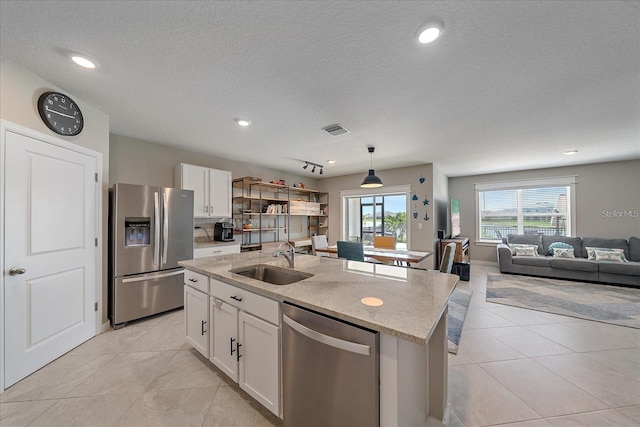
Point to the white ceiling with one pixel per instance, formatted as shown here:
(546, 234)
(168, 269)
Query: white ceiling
(510, 85)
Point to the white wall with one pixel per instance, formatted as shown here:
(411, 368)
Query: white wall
(602, 186)
(19, 93)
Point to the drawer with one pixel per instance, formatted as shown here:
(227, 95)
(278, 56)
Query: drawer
(196, 280)
(216, 250)
(247, 301)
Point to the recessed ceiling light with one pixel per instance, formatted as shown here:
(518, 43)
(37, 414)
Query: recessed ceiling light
(242, 122)
(570, 152)
(430, 32)
(331, 161)
(83, 61)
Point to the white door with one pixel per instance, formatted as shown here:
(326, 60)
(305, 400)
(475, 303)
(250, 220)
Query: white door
(259, 360)
(220, 192)
(50, 247)
(196, 178)
(196, 311)
(224, 342)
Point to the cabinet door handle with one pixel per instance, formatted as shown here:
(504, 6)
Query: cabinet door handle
(206, 208)
(211, 209)
(236, 298)
(193, 280)
(231, 340)
(203, 331)
(238, 355)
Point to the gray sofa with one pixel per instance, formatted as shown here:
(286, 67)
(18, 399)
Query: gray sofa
(578, 268)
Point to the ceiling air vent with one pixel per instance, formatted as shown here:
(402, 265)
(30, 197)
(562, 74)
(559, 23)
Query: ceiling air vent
(335, 130)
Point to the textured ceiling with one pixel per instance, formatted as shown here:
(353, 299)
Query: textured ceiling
(510, 85)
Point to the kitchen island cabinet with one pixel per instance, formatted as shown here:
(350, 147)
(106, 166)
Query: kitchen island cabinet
(410, 317)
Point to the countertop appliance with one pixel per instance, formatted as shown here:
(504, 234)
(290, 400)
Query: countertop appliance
(223, 232)
(150, 230)
(330, 371)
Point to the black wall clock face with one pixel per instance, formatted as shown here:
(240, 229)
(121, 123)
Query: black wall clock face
(60, 113)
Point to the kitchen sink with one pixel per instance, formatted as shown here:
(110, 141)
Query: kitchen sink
(271, 274)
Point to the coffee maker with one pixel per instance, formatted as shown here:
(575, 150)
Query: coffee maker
(223, 232)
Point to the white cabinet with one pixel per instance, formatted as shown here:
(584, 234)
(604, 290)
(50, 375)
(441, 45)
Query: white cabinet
(225, 345)
(259, 360)
(246, 341)
(196, 312)
(211, 189)
(216, 250)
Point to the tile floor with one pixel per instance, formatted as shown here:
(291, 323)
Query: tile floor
(515, 367)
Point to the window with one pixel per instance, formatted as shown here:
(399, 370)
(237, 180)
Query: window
(380, 214)
(542, 206)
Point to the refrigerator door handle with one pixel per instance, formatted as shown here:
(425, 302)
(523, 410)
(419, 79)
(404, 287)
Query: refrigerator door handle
(152, 277)
(165, 229)
(326, 339)
(156, 220)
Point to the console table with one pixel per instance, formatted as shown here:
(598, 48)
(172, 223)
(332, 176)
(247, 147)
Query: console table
(462, 249)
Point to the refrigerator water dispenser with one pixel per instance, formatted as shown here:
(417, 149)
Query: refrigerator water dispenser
(137, 231)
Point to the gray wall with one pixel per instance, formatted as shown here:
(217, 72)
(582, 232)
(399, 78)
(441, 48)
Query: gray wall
(420, 239)
(603, 186)
(134, 161)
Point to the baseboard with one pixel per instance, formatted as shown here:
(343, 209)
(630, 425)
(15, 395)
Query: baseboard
(104, 328)
(479, 262)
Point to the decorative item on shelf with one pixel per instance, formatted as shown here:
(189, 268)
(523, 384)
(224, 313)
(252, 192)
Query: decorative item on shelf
(425, 202)
(279, 182)
(298, 185)
(371, 180)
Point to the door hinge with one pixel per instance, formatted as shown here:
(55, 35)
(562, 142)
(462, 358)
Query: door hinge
(96, 176)
(96, 242)
(95, 307)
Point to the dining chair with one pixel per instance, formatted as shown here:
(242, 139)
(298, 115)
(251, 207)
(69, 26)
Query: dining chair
(350, 250)
(319, 242)
(384, 242)
(447, 258)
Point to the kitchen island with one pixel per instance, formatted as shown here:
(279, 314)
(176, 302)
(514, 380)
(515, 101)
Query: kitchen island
(408, 310)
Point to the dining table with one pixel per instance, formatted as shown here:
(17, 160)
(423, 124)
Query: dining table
(380, 254)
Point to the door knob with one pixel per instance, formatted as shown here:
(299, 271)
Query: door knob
(16, 271)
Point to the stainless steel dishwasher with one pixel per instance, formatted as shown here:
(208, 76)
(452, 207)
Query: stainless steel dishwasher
(330, 371)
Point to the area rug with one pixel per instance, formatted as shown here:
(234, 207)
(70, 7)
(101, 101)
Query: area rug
(591, 301)
(458, 305)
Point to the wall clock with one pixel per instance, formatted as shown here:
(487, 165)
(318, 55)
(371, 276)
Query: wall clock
(60, 113)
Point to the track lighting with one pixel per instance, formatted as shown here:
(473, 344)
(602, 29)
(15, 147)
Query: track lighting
(315, 165)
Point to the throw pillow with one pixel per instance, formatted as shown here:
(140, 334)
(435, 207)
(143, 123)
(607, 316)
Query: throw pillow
(563, 253)
(524, 251)
(610, 256)
(559, 245)
(591, 252)
(514, 246)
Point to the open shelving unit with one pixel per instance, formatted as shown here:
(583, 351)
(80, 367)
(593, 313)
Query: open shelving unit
(258, 208)
(266, 212)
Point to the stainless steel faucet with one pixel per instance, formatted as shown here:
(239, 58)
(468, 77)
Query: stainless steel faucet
(290, 256)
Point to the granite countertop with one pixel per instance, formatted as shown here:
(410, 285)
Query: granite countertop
(413, 300)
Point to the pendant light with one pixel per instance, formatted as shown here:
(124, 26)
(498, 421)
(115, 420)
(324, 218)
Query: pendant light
(371, 180)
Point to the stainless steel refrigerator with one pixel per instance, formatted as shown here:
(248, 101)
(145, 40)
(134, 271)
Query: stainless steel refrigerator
(150, 230)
